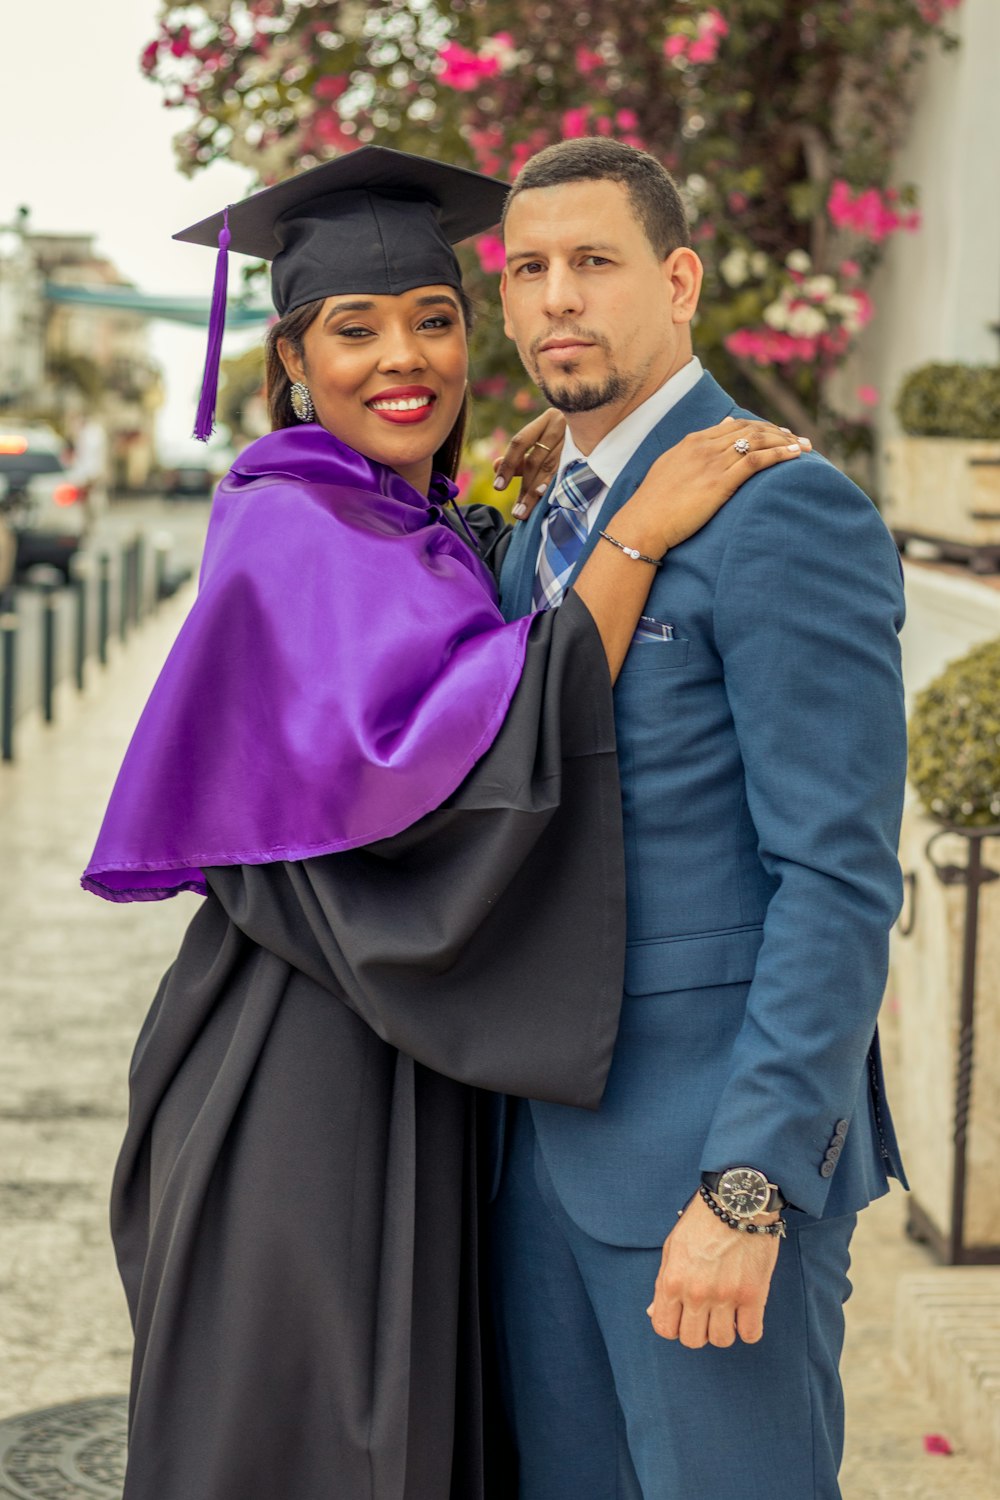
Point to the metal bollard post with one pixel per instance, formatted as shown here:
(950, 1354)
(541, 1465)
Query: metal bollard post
(8, 661)
(162, 543)
(48, 652)
(81, 574)
(123, 593)
(140, 576)
(48, 582)
(104, 609)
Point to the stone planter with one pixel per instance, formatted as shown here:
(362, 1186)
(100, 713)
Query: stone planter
(946, 491)
(946, 979)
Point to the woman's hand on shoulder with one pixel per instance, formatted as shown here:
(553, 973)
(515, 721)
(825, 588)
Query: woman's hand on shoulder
(532, 455)
(688, 484)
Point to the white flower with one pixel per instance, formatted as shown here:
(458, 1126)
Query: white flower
(820, 287)
(759, 263)
(798, 260)
(735, 267)
(776, 315)
(806, 322)
(843, 305)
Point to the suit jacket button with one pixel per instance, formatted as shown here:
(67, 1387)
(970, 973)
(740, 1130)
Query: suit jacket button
(841, 1127)
(832, 1153)
(828, 1168)
(838, 1139)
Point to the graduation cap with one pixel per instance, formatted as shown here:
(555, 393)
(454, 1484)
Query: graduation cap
(375, 221)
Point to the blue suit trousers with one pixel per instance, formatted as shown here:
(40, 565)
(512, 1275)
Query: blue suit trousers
(601, 1408)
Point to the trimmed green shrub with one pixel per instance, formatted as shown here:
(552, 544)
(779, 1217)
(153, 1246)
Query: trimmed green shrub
(956, 401)
(955, 741)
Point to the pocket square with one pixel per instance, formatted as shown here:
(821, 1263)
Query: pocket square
(649, 629)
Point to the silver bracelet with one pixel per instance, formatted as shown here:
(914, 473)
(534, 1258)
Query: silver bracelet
(632, 552)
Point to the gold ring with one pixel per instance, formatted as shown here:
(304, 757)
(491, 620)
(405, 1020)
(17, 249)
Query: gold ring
(541, 445)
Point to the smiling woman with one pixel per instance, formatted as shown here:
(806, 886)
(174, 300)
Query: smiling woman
(376, 367)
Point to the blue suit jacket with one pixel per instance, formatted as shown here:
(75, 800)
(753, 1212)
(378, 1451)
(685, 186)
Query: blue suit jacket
(762, 755)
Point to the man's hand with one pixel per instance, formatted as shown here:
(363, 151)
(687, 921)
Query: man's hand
(713, 1281)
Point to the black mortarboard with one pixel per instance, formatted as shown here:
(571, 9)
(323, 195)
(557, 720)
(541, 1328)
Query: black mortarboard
(375, 221)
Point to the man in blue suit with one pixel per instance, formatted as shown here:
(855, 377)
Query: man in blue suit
(761, 741)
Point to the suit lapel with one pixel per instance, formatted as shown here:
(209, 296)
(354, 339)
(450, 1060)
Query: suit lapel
(702, 407)
(517, 576)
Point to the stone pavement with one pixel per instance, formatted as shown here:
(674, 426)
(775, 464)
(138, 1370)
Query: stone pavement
(76, 977)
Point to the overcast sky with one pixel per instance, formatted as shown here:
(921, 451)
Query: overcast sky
(86, 143)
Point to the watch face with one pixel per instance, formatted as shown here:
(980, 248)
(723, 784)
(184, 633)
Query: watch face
(743, 1192)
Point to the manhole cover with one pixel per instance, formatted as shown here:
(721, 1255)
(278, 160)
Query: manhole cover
(74, 1452)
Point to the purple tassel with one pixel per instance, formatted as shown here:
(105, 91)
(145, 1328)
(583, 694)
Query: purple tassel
(204, 422)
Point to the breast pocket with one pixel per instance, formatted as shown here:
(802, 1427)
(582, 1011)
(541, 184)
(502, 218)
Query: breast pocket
(645, 656)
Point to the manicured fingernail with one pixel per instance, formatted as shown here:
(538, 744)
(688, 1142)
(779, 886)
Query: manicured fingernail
(499, 482)
(806, 442)
(519, 510)
(787, 429)
(794, 448)
(541, 488)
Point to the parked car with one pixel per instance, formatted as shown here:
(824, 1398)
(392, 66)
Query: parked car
(190, 471)
(41, 501)
(188, 481)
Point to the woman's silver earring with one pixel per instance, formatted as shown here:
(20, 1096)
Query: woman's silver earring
(302, 402)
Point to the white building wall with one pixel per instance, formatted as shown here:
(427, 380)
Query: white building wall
(938, 290)
(22, 355)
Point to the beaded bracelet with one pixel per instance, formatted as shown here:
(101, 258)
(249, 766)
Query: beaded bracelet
(633, 552)
(777, 1228)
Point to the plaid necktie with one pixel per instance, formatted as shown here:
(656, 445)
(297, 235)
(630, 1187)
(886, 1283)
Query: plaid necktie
(566, 532)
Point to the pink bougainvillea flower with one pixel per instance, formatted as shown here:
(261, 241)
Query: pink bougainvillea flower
(766, 346)
(936, 1442)
(714, 22)
(148, 56)
(869, 213)
(866, 308)
(737, 202)
(490, 385)
(575, 123)
(704, 49)
(627, 119)
(329, 128)
(675, 46)
(180, 42)
(849, 269)
(487, 144)
(868, 395)
(587, 61)
(330, 86)
(934, 11)
(491, 252)
(464, 70)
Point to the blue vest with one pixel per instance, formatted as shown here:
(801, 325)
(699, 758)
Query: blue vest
(762, 756)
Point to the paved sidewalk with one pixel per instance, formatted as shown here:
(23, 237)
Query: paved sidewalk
(76, 979)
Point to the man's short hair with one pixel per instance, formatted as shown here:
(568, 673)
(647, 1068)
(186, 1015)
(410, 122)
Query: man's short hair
(652, 191)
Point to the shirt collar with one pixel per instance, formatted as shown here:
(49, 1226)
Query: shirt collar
(615, 449)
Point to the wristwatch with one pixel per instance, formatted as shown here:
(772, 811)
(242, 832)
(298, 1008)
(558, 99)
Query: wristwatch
(744, 1192)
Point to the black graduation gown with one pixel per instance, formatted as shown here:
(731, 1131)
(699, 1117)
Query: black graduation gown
(295, 1208)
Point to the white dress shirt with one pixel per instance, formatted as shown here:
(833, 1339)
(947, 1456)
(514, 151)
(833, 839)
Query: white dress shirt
(615, 449)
